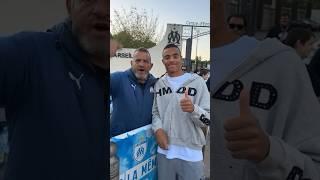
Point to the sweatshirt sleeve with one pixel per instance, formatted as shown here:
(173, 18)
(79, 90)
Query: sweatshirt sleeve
(13, 68)
(156, 121)
(288, 162)
(201, 114)
(295, 152)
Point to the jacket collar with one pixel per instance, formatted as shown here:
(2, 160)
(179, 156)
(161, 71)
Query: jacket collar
(71, 44)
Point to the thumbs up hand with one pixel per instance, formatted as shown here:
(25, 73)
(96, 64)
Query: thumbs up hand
(186, 103)
(245, 139)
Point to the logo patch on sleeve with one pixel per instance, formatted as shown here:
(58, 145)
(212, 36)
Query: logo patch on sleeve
(204, 120)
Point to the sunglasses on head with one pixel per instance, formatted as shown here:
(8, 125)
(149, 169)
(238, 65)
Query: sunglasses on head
(238, 26)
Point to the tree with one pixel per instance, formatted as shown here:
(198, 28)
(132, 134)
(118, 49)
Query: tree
(135, 28)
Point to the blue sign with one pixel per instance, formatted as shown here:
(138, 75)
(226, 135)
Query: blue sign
(134, 155)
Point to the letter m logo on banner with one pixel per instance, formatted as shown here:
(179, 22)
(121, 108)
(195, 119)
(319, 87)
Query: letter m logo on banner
(174, 37)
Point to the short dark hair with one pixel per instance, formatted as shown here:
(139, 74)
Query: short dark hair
(297, 34)
(203, 72)
(238, 16)
(142, 49)
(171, 46)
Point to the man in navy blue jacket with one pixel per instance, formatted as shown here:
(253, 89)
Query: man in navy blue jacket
(52, 87)
(132, 94)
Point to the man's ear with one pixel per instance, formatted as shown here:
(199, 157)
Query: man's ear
(151, 66)
(69, 6)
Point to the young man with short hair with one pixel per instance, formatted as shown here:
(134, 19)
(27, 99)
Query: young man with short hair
(181, 108)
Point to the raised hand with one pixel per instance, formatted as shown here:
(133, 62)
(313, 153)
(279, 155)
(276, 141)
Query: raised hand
(244, 137)
(186, 102)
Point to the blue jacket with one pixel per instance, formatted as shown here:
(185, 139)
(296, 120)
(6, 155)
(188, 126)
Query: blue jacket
(132, 102)
(57, 126)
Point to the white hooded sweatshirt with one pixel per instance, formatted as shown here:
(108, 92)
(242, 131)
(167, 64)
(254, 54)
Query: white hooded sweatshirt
(283, 101)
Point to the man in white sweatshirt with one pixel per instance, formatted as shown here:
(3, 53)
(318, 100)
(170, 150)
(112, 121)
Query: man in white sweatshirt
(181, 108)
(266, 113)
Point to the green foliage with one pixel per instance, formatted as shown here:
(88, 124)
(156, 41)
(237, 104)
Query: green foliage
(128, 41)
(134, 29)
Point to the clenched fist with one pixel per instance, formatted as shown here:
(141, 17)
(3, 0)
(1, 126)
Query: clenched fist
(162, 138)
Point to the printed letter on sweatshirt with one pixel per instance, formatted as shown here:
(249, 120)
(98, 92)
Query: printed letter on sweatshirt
(256, 92)
(237, 87)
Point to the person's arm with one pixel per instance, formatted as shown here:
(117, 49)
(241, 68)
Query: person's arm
(161, 136)
(201, 113)
(296, 151)
(14, 62)
(156, 121)
(284, 160)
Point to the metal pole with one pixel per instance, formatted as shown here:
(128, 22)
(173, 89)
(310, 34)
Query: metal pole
(188, 52)
(196, 59)
(197, 42)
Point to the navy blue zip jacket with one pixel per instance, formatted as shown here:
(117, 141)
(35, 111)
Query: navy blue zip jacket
(54, 101)
(131, 101)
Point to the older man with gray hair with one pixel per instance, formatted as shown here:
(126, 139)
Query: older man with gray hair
(133, 90)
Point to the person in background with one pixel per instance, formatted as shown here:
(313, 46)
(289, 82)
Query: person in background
(302, 40)
(204, 73)
(280, 31)
(237, 24)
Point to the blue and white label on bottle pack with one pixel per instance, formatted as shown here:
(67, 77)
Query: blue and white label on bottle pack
(137, 151)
